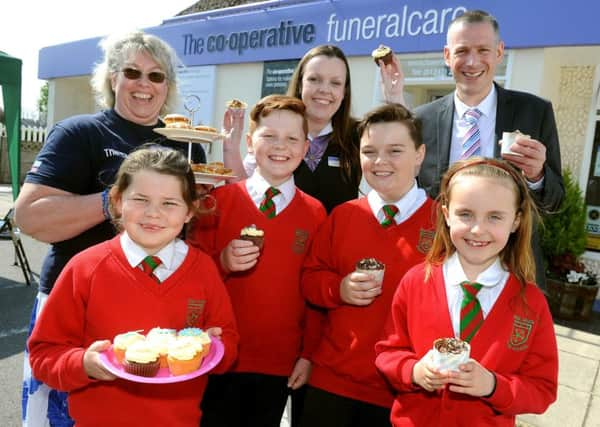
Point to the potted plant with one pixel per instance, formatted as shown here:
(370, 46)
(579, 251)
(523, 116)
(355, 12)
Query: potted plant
(572, 289)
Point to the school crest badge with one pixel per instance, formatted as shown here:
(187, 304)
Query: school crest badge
(425, 240)
(194, 310)
(521, 331)
(300, 240)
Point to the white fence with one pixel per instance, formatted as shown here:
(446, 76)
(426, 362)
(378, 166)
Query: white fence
(28, 134)
(32, 139)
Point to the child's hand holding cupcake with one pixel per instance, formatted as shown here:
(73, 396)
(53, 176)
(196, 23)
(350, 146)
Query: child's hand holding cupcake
(359, 288)
(239, 255)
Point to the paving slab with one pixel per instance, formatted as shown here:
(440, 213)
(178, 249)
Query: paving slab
(577, 372)
(593, 415)
(569, 410)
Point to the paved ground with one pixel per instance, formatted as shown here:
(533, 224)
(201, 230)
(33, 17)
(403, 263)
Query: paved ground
(16, 300)
(578, 403)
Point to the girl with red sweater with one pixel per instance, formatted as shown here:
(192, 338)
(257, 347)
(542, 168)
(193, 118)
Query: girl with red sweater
(476, 284)
(263, 281)
(345, 389)
(103, 292)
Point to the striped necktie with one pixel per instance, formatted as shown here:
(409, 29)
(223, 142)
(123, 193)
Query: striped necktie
(471, 145)
(471, 316)
(389, 212)
(267, 206)
(149, 264)
(316, 149)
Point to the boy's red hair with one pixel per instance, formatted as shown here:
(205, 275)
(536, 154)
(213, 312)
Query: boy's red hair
(271, 103)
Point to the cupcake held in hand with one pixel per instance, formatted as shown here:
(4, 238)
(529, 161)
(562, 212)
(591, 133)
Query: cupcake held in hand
(382, 53)
(449, 353)
(372, 267)
(254, 235)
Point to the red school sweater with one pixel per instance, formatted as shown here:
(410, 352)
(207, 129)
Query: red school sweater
(266, 299)
(516, 342)
(344, 362)
(99, 295)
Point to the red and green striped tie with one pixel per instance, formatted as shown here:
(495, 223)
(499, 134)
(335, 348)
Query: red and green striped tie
(389, 212)
(149, 264)
(471, 316)
(267, 206)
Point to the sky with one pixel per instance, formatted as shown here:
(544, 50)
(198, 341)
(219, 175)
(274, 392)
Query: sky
(26, 26)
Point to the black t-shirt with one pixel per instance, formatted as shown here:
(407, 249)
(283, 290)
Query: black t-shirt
(82, 155)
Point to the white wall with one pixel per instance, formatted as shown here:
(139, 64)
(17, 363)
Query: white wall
(69, 96)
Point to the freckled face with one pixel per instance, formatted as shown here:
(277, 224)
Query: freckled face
(279, 144)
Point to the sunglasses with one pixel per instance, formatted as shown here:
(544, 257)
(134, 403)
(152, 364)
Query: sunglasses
(153, 76)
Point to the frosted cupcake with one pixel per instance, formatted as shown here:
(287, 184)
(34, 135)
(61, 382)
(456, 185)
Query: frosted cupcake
(205, 341)
(449, 353)
(382, 53)
(190, 332)
(236, 104)
(122, 341)
(372, 267)
(141, 359)
(154, 332)
(254, 235)
(160, 339)
(183, 357)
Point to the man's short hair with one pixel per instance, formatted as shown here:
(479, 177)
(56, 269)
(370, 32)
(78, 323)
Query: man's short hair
(476, 17)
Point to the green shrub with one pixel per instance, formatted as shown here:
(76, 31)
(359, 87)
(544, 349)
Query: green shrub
(563, 234)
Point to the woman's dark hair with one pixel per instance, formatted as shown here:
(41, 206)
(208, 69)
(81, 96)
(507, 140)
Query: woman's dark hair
(344, 126)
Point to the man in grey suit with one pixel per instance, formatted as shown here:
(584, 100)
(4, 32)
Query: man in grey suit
(472, 52)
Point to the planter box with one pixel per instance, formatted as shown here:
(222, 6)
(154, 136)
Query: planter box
(571, 301)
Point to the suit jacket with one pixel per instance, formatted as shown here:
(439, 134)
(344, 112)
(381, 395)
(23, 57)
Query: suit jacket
(515, 110)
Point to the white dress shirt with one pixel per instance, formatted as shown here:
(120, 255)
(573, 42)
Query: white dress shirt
(327, 129)
(171, 256)
(407, 205)
(486, 123)
(487, 129)
(493, 279)
(257, 185)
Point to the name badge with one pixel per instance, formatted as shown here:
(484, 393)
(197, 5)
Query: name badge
(334, 162)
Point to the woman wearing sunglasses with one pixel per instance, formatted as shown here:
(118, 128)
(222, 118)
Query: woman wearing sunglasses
(64, 200)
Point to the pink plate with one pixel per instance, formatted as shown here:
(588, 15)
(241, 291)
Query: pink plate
(211, 360)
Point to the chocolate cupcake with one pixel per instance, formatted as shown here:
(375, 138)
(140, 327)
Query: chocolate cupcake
(372, 267)
(142, 359)
(449, 353)
(254, 235)
(382, 53)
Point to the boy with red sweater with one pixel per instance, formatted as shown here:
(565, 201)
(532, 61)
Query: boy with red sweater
(263, 283)
(392, 224)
